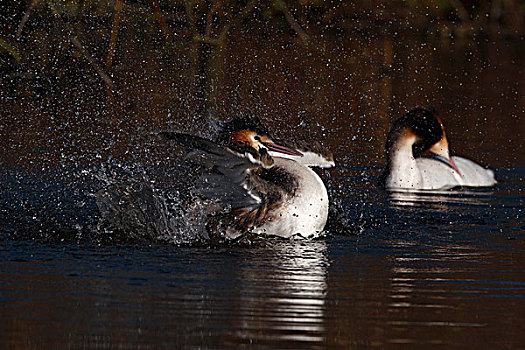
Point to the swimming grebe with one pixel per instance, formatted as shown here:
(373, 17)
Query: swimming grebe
(418, 157)
(269, 187)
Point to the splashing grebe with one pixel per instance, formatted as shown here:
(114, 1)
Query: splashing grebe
(418, 157)
(269, 187)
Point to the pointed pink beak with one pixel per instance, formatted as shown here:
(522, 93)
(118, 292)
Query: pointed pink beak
(453, 165)
(282, 149)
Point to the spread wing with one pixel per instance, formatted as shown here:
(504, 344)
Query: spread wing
(228, 178)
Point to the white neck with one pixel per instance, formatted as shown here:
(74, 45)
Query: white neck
(403, 169)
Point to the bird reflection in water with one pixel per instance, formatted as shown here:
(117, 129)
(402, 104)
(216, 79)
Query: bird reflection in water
(282, 298)
(440, 199)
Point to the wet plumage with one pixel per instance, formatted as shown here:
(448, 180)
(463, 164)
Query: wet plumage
(268, 186)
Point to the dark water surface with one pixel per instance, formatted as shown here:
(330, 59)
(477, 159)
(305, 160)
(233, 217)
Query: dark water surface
(444, 271)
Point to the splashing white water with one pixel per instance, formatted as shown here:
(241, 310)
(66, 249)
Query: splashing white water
(134, 205)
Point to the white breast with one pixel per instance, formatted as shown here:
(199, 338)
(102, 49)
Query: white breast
(305, 213)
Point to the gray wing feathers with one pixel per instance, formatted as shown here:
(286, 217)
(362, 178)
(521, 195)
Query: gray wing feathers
(237, 195)
(228, 178)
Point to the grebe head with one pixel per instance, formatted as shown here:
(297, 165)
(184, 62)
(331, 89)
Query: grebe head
(426, 129)
(246, 134)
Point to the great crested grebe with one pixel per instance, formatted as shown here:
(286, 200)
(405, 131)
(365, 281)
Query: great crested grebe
(269, 187)
(418, 157)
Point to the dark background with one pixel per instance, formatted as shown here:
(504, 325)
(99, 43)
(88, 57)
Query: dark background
(82, 80)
